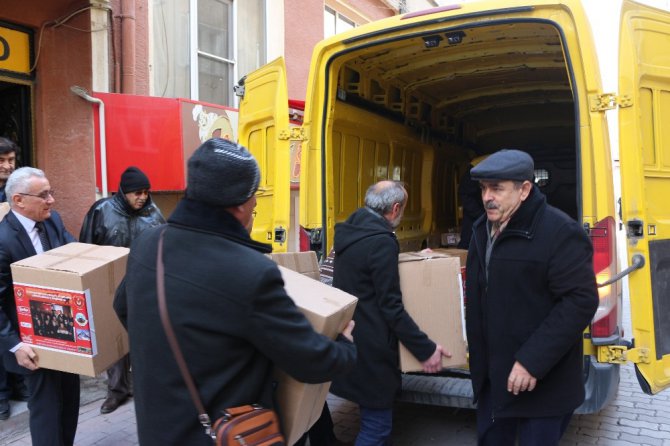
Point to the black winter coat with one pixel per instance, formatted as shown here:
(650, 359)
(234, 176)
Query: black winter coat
(540, 296)
(112, 221)
(232, 318)
(366, 265)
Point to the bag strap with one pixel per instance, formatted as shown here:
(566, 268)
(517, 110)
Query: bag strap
(172, 339)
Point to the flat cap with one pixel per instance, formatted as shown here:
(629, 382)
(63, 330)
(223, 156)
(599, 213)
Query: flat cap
(506, 164)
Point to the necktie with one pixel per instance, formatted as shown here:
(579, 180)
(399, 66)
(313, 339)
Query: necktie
(42, 233)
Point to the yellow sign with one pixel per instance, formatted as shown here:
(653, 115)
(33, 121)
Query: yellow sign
(14, 50)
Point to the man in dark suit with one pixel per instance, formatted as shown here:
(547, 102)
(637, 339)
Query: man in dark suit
(32, 227)
(12, 385)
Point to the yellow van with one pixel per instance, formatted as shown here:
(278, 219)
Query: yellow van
(416, 96)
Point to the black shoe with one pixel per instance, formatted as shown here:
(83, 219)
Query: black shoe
(4, 409)
(112, 403)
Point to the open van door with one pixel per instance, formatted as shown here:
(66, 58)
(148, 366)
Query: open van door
(644, 150)
(263, 128)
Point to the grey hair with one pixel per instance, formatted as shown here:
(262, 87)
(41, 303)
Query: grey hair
(18, 181)
(381, 196)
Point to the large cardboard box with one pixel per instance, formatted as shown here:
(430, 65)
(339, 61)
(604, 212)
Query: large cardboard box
(432, 295)
(64, 307)
(462, 254)
(302, 262)
(328, 310)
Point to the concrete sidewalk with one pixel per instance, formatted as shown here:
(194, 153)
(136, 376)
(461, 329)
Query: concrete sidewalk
(119, 428)
(15, 429)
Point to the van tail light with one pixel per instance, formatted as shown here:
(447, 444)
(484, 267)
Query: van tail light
(603, 237)
(304, 240)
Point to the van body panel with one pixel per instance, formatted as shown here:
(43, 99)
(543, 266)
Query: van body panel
(414, 98)
(644, 135)
(264, 129)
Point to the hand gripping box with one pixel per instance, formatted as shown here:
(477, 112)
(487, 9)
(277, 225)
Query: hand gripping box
(64, 307)
(432, 294)
(328, 310)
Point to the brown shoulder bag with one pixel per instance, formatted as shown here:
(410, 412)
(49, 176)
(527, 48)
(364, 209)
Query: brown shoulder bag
(249, 425)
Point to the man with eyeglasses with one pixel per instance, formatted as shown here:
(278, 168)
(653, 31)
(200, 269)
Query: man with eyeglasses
(32, 227)
(117, 221)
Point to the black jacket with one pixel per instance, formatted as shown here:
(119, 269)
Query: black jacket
(112, 221)
(15, 245)
(231, 315)
(366, 265)
(540, 296)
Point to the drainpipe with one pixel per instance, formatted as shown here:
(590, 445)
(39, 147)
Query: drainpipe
(128, 46)
(82, 93)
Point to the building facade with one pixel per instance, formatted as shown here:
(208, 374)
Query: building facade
(55, 53)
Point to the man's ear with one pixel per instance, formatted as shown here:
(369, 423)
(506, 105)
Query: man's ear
(526, 187)
(17, 201)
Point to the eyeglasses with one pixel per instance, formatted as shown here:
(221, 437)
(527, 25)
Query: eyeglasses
(43, 195)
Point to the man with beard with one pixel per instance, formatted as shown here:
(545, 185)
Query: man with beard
(117, 221)
(531, 292)
(366, 265)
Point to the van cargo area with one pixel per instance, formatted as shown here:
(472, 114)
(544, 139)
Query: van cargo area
(424, 104)
(417, 105)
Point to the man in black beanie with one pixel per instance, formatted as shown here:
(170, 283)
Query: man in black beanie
(226, 303)
(117, 221)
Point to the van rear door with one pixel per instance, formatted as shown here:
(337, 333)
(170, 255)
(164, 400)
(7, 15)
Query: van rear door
(263, 128)
(644, 145)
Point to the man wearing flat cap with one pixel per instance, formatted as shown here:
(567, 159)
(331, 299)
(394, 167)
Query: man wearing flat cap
(225, 301)
(531, 292)
(117, 221)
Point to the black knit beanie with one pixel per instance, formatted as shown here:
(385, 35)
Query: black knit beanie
(133, 179)
(222, 173)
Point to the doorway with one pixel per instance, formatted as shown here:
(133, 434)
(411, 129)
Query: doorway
(16, 118)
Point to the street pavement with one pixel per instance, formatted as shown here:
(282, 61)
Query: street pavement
(633, 418)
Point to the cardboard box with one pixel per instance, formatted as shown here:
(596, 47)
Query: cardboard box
(432, 295)
(328, 309)
(72, 288)
(454, 252)
(302, 262)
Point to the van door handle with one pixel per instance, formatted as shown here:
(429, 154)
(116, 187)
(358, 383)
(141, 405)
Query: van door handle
(280, 235)
(638, 262)
(635, 228)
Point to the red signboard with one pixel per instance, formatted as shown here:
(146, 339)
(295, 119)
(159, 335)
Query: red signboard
(157, 135)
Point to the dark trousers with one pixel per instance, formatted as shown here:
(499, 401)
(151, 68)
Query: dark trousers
(53, 406)
(119, 382)
(321, 433)
(540, 431)
(10, 383)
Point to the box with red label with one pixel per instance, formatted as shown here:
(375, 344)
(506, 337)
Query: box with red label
(64, 307)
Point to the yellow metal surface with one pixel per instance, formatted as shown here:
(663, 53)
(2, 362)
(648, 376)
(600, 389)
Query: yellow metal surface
(263, 128)
(644, 75)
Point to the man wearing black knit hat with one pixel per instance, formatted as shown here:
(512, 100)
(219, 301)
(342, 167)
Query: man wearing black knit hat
(226, 303)
(117, 221)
